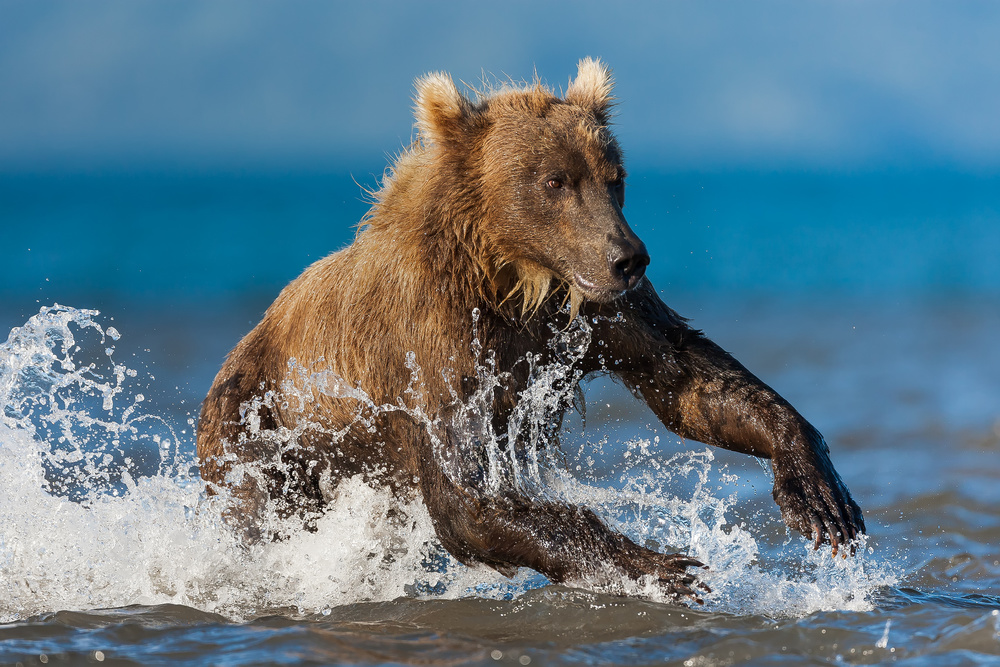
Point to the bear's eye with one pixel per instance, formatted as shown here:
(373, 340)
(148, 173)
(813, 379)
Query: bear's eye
(618, 190)
(554, 183)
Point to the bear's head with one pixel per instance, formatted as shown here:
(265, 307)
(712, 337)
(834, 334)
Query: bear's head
(544, 177)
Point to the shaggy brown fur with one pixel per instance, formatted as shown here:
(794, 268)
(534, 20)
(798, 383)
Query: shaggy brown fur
(507, 208)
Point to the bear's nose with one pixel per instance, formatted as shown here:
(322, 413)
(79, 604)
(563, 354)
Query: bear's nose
(628, 263)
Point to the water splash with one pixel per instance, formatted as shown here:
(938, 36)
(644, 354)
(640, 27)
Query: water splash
(745, 578)
(89, 520)
(883, 641)
(102, 505)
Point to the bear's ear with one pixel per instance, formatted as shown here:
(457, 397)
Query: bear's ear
(592, 86)
(440, 109)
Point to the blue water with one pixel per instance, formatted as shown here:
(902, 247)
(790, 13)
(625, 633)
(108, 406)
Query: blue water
(870, 300)
(204, 236)
(160, 250)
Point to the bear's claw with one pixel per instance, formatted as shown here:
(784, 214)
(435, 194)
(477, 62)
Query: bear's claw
(815, 502)
(670, 573)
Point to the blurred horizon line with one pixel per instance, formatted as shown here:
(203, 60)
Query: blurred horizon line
(354, 165)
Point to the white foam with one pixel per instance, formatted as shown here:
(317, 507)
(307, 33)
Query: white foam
(794, 580)
(136, 533)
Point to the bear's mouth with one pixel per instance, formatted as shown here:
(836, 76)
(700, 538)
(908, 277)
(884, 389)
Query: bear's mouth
(594, 292)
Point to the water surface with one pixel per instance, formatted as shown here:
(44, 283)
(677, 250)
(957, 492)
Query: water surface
(110, 551)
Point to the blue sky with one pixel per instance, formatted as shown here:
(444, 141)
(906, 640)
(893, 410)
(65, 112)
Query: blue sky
(702, 85)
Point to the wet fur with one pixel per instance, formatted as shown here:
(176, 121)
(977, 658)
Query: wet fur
(463, 224)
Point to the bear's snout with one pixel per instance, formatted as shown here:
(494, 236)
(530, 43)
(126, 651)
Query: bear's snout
(628, 262)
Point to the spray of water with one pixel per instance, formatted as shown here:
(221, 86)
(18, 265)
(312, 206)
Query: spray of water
(102, 505)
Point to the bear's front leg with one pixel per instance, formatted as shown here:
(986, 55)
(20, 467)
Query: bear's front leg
(706, 395)
(700, 392)
(567, 543)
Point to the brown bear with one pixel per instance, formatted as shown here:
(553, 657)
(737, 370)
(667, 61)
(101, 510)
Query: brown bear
(491, 235)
